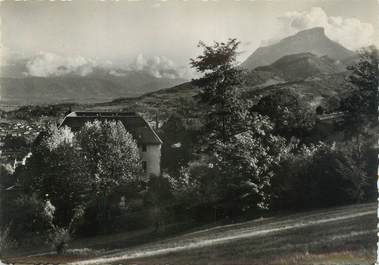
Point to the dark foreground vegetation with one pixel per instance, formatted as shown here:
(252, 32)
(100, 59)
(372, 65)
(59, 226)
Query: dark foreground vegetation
(343, 235)
(229, 153)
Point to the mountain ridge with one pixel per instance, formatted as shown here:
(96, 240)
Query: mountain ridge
(81, 89)
(311, 40)
(301, 66)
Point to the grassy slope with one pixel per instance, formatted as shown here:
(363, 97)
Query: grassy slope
(339, 242)
(345, 235)
(163, 102)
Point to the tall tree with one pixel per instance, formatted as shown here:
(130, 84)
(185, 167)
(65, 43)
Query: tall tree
(56, 170)
(361, 104)
(221, 88)
(245, 167)
(110, 155)
(362, 101)
(82, 169)
(241, 148)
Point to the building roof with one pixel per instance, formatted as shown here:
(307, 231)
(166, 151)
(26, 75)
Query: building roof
(134, 123)
(335, 116)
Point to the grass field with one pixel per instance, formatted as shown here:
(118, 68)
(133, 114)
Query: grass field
(345, 235)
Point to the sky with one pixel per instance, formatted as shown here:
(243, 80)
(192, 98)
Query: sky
(79, 34)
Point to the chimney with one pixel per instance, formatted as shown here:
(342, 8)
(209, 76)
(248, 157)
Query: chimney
(156, 121)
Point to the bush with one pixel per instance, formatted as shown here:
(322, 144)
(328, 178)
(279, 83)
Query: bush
(59, 238)
(287, 110)
(29, 218)
(158, 198)
(177, 145)
(6, 242)
(318, 176)
(15, 142)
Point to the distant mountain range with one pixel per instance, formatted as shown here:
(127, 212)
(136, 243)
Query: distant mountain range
(96, 87)
(308, 61)
(308, 41)
(314, 78)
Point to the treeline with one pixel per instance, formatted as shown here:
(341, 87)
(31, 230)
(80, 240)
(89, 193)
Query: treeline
(272, 152)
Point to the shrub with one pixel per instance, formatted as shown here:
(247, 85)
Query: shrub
(318, 176)
(158, 198)
(29, 218)
(59, 238)
(6, 242)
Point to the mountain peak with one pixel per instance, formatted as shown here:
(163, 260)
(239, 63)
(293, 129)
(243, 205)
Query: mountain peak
(312, 31)
(311, 40)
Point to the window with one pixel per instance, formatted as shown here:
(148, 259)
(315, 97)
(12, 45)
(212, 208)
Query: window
(143, 147)
(144, 166)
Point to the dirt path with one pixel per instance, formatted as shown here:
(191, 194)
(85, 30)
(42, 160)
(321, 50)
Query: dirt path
(233, 233)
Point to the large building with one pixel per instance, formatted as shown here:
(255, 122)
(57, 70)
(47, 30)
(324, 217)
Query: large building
(149, 143)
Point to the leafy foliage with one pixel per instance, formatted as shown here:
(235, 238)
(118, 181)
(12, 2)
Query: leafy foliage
(318, 176)
(110, 155)
(15, 142)
(29, 217)
(80, 171)
(6, 242)
(362, 102)
(56, 169)
(159, 197)
(221, 89)
(290, 115)
(242, 150)
(178, 145)
(245, 166)
(59, 237)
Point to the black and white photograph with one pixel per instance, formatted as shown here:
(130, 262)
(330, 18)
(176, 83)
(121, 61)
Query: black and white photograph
(189, 132)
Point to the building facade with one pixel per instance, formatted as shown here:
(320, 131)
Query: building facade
(149, 143)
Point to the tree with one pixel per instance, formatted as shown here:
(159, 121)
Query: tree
(159, 197)
(111, 158)
(235, 178)
(318, 176)
(361, 108)
(56, 169)
(221, 89)
(245, 166)
(177, 145)
(361, 104)
(15, 142)
(29, 218)
(80, 171)
(242, 150)
(291, 117)
(110, 155)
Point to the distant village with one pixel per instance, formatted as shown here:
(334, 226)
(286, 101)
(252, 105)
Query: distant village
(18, 130)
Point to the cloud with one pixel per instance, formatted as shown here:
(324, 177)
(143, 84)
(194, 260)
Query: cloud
(350, 32)
(47, 64)
(50, 64)
(159, 67)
